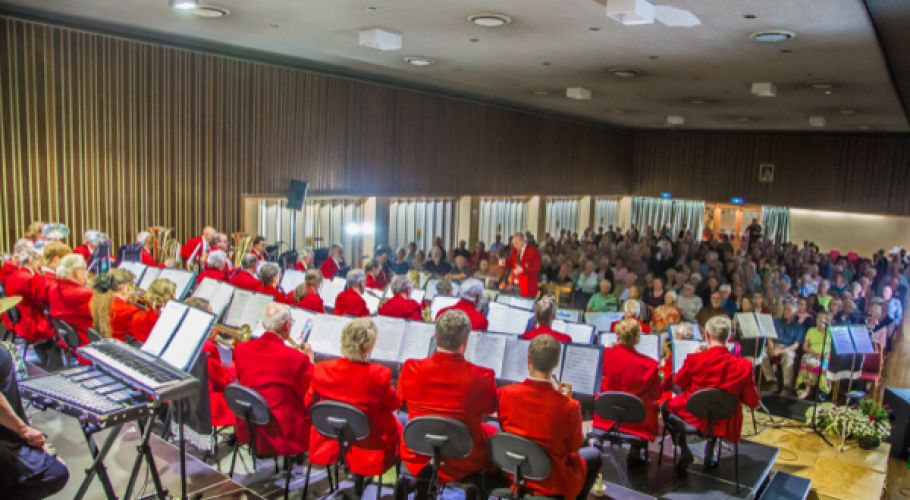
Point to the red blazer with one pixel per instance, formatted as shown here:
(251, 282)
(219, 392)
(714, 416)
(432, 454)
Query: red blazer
(300, 266)
(542, 329)
(71, 304)
(311, 301)
(478, 320)
(187, 250)
(530, 261)
(270, 290)
(146, 258)
(328, 268)
(537, 411)
(715, 368)
(282, 375)
(447, 385)
(219, 378)
(401, 306)
(259, 256)
(122, 313)
(33, 325)
(8, 268)
(142, 324)
(215, 274)
(85, 252)
(368, 387)
(350, 303)
(376, 283)
(245, 280)
(627, 370)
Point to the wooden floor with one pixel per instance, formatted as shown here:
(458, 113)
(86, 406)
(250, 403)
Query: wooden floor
(897, 374)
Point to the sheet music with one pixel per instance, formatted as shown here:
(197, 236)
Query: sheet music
(389, 337)
(330, 289)
(649, 345)
(515, 301)
(439, 303)
(515, 361)
(150, 275)
(581, 333)
(766, 325)
(218, 294)
(861, 340)
(748, 326)
(602, 320)
(580, 367)
(418, 295)
(169, 318)
(187, 342)
(472, 344)
(137, 268)
(183, 280)
(489, 351)
(505, 319)
(291, 279)
(325, 334)
(570, 315)
(686, 331)
(422, 279)
(840, 340)
(246, 308)
(418, 340)
(681, 350)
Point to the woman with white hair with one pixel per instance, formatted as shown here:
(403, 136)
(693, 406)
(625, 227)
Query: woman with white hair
(269, 277)
(471, 301)
(70, 300)
(216, 264)
(631, 309)
(354, 380)
(147, 244)
(350, 302)
(401, 305)
(89, 243)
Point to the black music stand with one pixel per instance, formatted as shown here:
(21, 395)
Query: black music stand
(759, 343)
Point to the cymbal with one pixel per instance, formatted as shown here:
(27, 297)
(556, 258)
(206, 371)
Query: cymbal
(7, 303)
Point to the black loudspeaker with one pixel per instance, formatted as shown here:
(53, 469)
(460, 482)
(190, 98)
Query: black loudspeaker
(898, 399)
(297, 194)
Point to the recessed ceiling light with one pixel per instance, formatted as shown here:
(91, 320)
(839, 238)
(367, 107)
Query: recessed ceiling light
(864, 127)
(372, 8)
(545, 63)
(817, 121)
(749, 16)
(772, 36)
(617, 111)
(847, 112)
(211, 11)
(475, 40)
(594, 28)
(624, 72)
(675, 120)
(183, 4)
(821, 85)
(578, 93)
(540, 92)
(488, 20)
(419, 61)
(743, 119)
(697, 100)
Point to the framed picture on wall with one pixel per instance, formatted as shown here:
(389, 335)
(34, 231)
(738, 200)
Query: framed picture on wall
(766, 172)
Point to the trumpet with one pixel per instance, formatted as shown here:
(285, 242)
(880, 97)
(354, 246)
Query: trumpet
(229, 337)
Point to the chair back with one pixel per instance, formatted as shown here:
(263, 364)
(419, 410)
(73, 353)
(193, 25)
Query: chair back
(873, 362)
(620, 407)
(712, 405)
(66, 333)
(247, 404)
(442, 437)
(340, 421)
(519, 456)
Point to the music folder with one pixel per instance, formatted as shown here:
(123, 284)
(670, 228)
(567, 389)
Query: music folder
(291, 279)
(398, 340)
(218, 293)
(330, 289)
(515, 301)
(570, 315)
(580, 333)
(325, 334)
(372, 301)
(649, 345)
(439, 303)
(137, 268)
(506, 319)
(246, 308)
(183, 279)
(754, 329)
(602, 320)
(179, 334)
(150, 275)
(862, 341)
(844, 360)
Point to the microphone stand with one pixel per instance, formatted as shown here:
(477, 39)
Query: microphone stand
(818, 381)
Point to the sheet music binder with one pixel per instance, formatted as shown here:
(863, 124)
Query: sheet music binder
(183, 279)
(439, 303)
(649, 345)
(570, 315)
(754, 330)
(515, 301)
(507, 319)
(137, 268)
(602, 320)
(580, 333)
(291, 279)
(218, 293)
(848, 345)
(325, 334)
(329, 291)
(302, 324)
(191, 325)
(246, 308)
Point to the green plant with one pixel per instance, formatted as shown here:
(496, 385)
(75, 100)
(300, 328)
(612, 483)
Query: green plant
(867, 421)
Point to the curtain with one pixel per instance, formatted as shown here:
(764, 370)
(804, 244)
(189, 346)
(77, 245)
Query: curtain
(321, 223)
(561, 213)
(421, 220)
(655, 212)
(605, 212)
(776, 222)
(502, 217)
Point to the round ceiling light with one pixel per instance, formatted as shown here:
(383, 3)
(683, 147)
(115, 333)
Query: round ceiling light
(183, 4)
(540, 92)
(821, 85)
(864, 127)
(772, 36)
(487, 20)
(698, 101)
(847, 112)
(211, 11)
(617, 111)
(419, 61)
(743, 119)
(624, 72)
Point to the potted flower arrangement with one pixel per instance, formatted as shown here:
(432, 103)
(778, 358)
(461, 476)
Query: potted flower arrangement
(867, 423)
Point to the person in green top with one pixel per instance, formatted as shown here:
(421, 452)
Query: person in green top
(812, 365)
(604, 300)
(822, 297)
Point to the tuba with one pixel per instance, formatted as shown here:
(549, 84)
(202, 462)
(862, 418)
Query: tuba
(165, 246)
(243, 244)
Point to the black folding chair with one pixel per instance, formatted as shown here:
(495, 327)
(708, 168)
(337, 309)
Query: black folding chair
(710, 405)
(249, 406)
(346, 425)
(521, 457)
(67, 334)
(439, 438)
(93, 335)
(621, 408)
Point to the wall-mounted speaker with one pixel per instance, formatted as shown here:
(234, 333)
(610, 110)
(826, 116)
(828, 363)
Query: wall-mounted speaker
(297, 194)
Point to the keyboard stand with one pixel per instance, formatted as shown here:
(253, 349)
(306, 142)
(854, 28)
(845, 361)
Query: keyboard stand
(97, 467)
(144, 450)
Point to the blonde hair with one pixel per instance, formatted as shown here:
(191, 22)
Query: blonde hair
(313, 278)
(628, 332)
(56, 250)
(105, 286)
(357, 338)
(160, 291)
(68, 264)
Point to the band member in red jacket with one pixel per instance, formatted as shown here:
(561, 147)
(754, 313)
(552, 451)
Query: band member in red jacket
(219, 376)
(714, 368)
(545, 313)
(197, 248)
(368, 387)
(626, 370)
(70, 299)
(87, 248)
(544, 412)
(522, 267)
(123, 304)
(306, 295)
(245, 278)
(269, 277)
(305, 262)
(631, 309)
(215, 267)
(148, 245)
(282, 375)
(447, 385)
(258, 249)
(401, 305)
(159, 293)
(471, 299)
(27, 282)
(333, 263)
(350, 302)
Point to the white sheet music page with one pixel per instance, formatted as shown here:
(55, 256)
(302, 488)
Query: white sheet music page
(371, 300)
(325, 334)
(217, 293)
(170, 317)
(766, 325)
(330, 289)
(255, 308)
(150, 275)
(681, 350)
(649, 345)
(515, 361)
(580, 368)
(389, 337)
(439, 303)
(234, 314)
(489, 350)
(602, 320)
(607, 339)
(579, 332)
(187, 342)
(418, 295)
(748, 327)
(418, 340)
(183, 279)
(137, 268)
(505, 319)
(291, 279)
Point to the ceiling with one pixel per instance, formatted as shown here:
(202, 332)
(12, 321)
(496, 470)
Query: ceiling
(554, 44)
